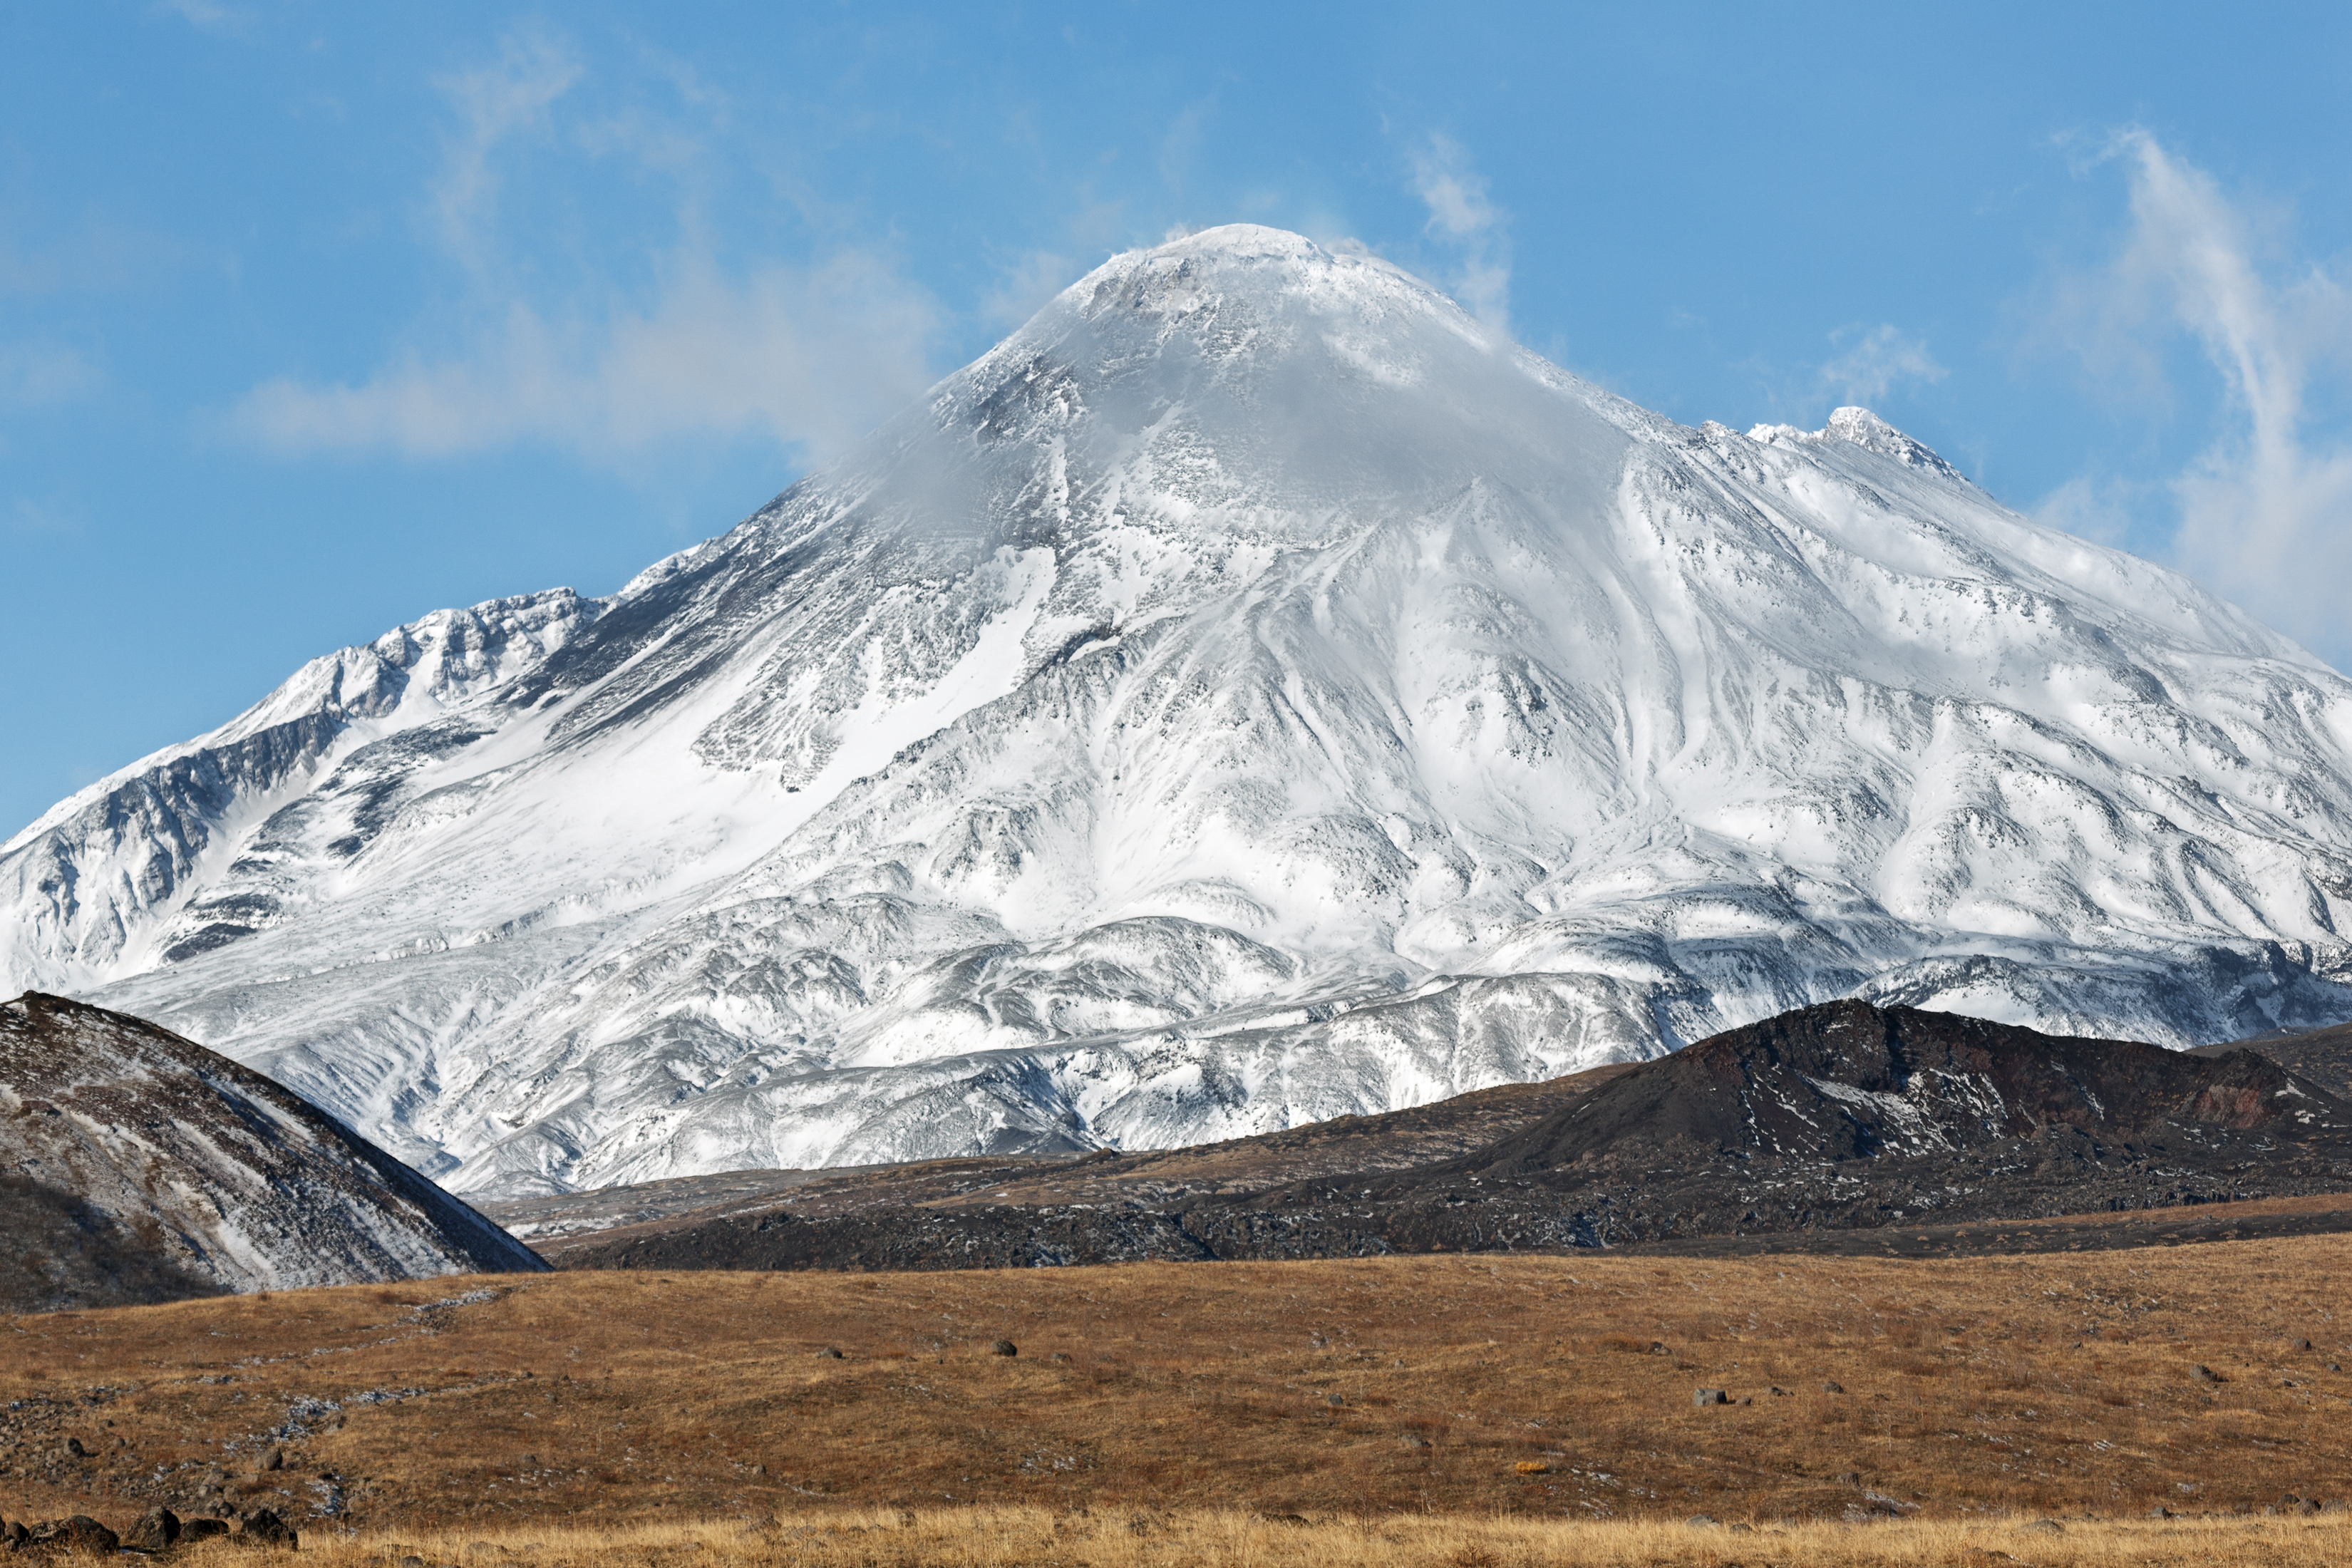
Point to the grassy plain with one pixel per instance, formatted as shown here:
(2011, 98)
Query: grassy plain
(1003, 1536)
(1438, 1408)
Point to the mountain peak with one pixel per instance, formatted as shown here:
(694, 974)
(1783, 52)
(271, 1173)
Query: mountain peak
(1249, 240)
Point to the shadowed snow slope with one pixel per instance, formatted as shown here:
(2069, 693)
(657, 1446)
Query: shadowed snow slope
(1250, 693)
(137, 1166)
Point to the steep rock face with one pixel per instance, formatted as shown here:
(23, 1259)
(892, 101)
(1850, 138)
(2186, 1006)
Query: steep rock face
(138, 1166)
(1252, 693)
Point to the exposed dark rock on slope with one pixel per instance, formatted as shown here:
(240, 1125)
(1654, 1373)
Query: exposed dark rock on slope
(2323, 1055)
(137, 1166)
(1824, 1121)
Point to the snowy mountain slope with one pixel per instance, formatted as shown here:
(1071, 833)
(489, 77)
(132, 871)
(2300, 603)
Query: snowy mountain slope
(1250, 693)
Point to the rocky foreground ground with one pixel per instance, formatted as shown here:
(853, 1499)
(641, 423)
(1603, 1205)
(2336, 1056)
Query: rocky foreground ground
(2202, 1380)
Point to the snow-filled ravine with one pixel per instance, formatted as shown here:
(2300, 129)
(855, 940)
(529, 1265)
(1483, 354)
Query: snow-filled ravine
(1250, 693)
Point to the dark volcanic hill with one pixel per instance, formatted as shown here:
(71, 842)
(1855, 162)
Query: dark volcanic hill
(1849, 1081)
(138, 1166)
(1828, 1119)
(1847, 1115)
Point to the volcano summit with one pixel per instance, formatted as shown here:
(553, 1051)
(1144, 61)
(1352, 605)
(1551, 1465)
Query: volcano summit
(1253, 692)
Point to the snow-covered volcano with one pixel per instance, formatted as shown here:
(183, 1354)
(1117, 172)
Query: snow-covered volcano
(1253, 692)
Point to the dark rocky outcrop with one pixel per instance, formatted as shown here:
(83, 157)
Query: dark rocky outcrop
(137, 1166)
(79, 1536)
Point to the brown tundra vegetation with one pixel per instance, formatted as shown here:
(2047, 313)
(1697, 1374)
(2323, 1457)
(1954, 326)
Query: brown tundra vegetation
(1462, 1410)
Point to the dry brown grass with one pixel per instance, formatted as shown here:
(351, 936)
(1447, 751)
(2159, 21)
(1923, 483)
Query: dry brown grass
(1202, 1393)
(1016, 1538)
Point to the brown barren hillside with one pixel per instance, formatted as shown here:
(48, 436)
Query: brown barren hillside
(1542, 1388)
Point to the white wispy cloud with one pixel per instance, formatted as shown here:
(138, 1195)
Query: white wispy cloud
(206, 16)
(812, 357)
(41, 375)
(1463, 215)
(511, 95)
(2265, 511)
(809, 352)
(1023, 289)
(1879, 360)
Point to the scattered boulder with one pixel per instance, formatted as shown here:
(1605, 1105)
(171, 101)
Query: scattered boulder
(828, 1353)
(1849, 1478)
(1700, 1519)
(1413, 1440)
(2045, 1527)
(2204, 1373)
(2298, 1344)
(80, 1534)
(273, 1460)
(1003, 1347)
(1532, 1468)
(1335, 1399)
(74, 1447)
(1832, 1388)
(158, 1530)
(1710, 1396)
(13, 1533)
(1658, 1347)
(264, 1528)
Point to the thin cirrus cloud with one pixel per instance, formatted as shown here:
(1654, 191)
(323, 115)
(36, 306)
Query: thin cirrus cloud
(2266, 510)
(1463, 215)
(512, 98)
(205, 16)
(1878, 361)
(809, 356)
(812, 357)
(42, 375)
(1024, 287)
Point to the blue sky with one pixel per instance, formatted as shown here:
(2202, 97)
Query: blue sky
(313, 319)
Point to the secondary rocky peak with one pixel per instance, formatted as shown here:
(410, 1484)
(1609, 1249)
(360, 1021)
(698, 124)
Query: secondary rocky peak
(1861, 428)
